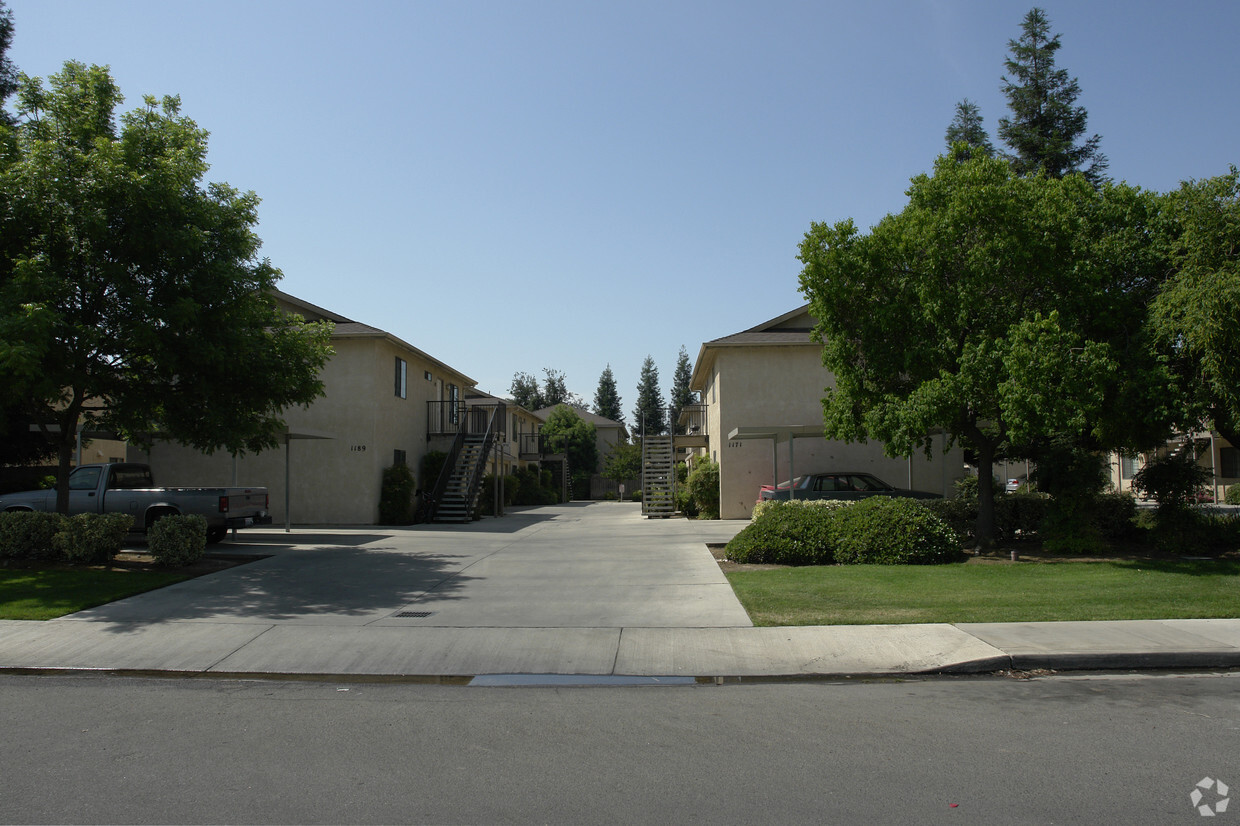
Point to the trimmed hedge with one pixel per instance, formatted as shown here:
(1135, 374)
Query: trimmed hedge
(92, 538)
(893, 531)
(878, 530)
(29, 534)
(787, 533)
(178, 540)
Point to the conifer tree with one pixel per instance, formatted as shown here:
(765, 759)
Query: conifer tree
(1046, 126)
(648, 415)
(966, 127)
(682, 396)
(606, 397)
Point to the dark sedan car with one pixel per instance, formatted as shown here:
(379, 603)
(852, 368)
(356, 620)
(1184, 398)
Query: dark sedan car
(844, 486)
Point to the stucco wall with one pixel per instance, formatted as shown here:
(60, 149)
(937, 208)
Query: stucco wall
(334, 480)
(783, 385)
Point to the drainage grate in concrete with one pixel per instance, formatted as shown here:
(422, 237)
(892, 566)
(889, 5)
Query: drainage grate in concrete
(414, 613)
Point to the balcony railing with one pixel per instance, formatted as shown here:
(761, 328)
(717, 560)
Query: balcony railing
(692, 421)
(444, 418)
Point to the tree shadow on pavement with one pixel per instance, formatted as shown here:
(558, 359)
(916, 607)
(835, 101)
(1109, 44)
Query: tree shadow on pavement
(330, 585)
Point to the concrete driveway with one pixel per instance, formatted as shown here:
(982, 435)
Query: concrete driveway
(581, 565)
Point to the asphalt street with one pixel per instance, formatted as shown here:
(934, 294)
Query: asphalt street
(1087, 748)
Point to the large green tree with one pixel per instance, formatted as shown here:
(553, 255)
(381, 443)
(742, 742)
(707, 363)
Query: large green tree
(131, 297)
(682, 396)
(1196, 317)
(566, 432)
(607, 398)
(1046, 127)
(648, 418)
(995, 308)
(527, 393)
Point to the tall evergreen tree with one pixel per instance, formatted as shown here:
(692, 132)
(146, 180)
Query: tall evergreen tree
(8, 72)
(607, 398)
(1046, 126)
(682, 396)
(966, 127)
(648, 415)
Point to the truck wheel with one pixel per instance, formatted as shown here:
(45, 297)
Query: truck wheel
(215, 535)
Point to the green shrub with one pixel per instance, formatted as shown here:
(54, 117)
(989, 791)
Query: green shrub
(28, 534)
(959, 514)
(396, 496)
(534, 487)
(685, 503)
(1171, 481)
(1114, 515)
(1019, 515)
(788, 533)
(702, 486)
(92, 538)
(178, 540)
(893, 531)
(1232, 497)
(1189, 531)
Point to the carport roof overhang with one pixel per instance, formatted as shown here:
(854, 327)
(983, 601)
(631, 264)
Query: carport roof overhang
(779, 433)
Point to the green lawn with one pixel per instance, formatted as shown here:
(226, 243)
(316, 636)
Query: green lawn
(1027, 592)
(47, 594)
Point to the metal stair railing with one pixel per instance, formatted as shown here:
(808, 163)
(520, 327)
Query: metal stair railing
(464, 469)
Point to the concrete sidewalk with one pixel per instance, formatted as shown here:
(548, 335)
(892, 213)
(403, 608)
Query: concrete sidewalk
(574, 590)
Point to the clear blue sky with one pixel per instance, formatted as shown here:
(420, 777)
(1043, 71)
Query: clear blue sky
(518, 185)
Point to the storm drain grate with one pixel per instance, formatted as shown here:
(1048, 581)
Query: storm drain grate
(414, 613)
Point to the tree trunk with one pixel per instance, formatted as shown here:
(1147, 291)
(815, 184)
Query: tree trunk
(984, 531)
(68, 422)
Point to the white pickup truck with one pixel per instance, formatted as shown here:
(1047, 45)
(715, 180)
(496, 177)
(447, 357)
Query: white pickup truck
(128, 488)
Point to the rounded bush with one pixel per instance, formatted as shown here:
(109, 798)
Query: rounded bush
(787, 533)
(893, 531)
(1232, 497)
(92, 538)
(29, 534)
(178, 540)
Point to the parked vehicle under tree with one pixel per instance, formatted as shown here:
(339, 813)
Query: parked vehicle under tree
(846, 486)
(129, 488)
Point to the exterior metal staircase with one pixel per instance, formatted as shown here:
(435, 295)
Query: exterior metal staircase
(456, 492)
(658, 477)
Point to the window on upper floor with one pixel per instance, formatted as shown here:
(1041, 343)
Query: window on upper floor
(1128, 467)
(402, 378)
(454, 412)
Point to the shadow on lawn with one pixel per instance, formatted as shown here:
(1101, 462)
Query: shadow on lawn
(1187, 567)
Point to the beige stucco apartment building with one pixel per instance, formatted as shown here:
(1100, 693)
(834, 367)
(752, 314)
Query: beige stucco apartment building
(761, 417)
(376, 412)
